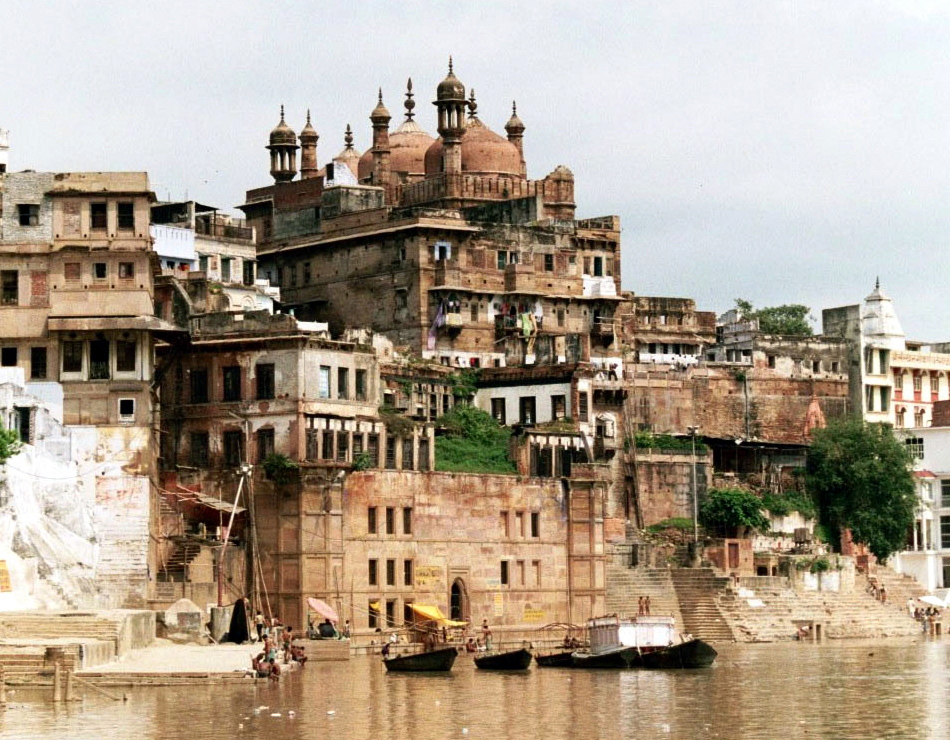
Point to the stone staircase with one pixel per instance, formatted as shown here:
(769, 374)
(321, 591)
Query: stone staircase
(843, 615)
(176, 567)
(698, 590)
(626, 585)
(58, 625)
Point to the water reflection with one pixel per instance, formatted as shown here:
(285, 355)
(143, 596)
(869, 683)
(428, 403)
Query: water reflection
(837, 690)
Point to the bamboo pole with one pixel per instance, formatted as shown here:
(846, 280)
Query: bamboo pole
(57, 681)
(102, 691)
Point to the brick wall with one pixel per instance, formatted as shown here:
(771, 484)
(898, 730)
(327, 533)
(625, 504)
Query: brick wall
(26, 187)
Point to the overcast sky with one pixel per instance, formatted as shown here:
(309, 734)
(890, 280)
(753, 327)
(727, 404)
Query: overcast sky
(784, 152)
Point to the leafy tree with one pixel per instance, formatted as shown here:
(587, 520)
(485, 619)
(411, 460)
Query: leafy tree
(471, 441)
(732, 509)
(9, 444)
(860, 476)
(790, 319)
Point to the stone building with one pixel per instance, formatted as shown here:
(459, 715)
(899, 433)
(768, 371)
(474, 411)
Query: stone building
(76, 313)
(444, 245)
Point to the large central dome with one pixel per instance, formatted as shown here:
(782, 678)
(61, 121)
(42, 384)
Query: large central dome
(407, 151)
(483, 152)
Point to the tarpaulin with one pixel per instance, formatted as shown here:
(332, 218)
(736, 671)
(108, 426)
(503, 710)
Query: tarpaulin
(435, 614)
(323, 609)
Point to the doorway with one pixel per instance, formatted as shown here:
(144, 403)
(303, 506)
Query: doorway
(458, 601)
(733, 555)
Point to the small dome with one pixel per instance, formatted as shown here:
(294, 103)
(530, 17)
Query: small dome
(483, 152)
(380, 113)
(283, 134)
(514, 125)
(451, 88)
(308, 133)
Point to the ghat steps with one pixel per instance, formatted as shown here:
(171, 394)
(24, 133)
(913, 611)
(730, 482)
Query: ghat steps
(697, 590)
(625, 586)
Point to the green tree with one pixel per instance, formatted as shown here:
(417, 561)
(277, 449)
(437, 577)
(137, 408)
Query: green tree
(860, 476)
(790, 319)
(732, 509)
(9, 444)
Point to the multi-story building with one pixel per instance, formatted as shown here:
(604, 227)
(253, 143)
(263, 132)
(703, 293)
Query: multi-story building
(76, 314)
(893, 379)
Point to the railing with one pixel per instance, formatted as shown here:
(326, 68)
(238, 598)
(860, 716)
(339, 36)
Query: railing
(224, 231)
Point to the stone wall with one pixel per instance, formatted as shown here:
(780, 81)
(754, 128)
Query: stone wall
(665, 484)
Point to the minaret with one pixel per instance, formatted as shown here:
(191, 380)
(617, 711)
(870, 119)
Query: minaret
(283, 151)
(515, 129)
(308, 150)
(450, 103)
(380, 118)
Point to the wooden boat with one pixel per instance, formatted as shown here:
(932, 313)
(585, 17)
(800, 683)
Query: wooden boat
(434, 660)
(562, 659)
(690, 654)
(512, 660)
(617, 657)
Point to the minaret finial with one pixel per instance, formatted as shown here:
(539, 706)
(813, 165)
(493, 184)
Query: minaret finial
(380, 96)
(514, 108)
(348, 137)
(308, 116)
(450, 64)
(877, 283)
(472, 105)
(410, 103)
(281, 112)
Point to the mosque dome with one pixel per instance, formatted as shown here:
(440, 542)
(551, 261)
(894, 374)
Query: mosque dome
(451, 88)
(483, 152)
(282, 133)
(407, 146)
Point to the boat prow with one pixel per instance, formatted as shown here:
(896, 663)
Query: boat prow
(512, 660)
(434, 660)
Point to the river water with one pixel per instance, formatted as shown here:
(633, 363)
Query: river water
(841, 689)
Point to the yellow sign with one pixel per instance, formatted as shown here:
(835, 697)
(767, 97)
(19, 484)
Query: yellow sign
(499, 604)
(533, 615)
(428, 575)
(5, 577)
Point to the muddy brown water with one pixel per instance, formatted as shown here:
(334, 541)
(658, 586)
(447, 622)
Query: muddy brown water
(842, 689)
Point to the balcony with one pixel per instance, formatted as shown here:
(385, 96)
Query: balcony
(602, 329)
(447, 272)
(519, 278)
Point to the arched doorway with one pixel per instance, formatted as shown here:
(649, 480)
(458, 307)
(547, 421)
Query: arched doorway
(458, 601)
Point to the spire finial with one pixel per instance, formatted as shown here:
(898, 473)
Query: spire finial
(380, 96)
(877, 283)
(308, 116)
(514, 108)
(450, 64)
(472, 105)
(348, 137)
(281, 112)
(410, 103)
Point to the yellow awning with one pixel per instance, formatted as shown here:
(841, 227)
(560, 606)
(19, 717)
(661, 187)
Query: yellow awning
(374, 605)
(435, 614)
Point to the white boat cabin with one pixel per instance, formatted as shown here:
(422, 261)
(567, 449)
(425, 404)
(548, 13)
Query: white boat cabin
(611, 633)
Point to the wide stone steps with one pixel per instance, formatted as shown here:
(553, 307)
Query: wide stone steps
(66, 625)
(625, 586)
(697, 590)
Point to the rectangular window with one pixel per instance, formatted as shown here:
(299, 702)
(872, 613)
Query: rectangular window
(918, 383)
(582, 406)
(100, 270)
(423, 454)
(390, 612)
(504, 572)
(945, 494)
(226, 269)
(549, 263)
(498, 410)
(9, 287)
(536, 571)
(306, 273)
(72, 272)
(587, 265)
(37, 363)
(834, 366)
(373, 611)
(199, 386)
(407, 520)
(360, 385)
(598, 266)
(8, 357)
(125, 355)
(342, 445)
(97, 216)
(519, 572)
(372, 449)
(342, 383)
(99, 359)
(558, 407)
(408, 461)
(473, 312)
(265, 444)
(232, 442)
(560, 318)
(390, 453)
(371, 520)
(505, 532)
(29, 214)
(125, 216)
(357, 444)
(535, 524)
(248, 268)
(502, 259)
(373, 576)
(72, 357)
(199, 449)
(264, 372)
(293, 275)
(519, 524)
(328, 437)
(126, 270)
(944, 532)
(232, 382)
(771, 361)
(390, 520)
(526, 413)
(407, 572)
(915, 446)
(390, 573)
(324, 382)
(816, 366)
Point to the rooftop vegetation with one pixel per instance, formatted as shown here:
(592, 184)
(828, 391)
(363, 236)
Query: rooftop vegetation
(471, 441)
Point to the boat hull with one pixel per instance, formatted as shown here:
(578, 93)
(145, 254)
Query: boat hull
(514, 660)
(620, 657)
(432, 661)
(690, 654)
(556, 660)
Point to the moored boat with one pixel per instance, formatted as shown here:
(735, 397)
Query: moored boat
(561, 655)
(617, 657)
(511, 660)
(690, 654)
(640, 642)
(433, 660)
